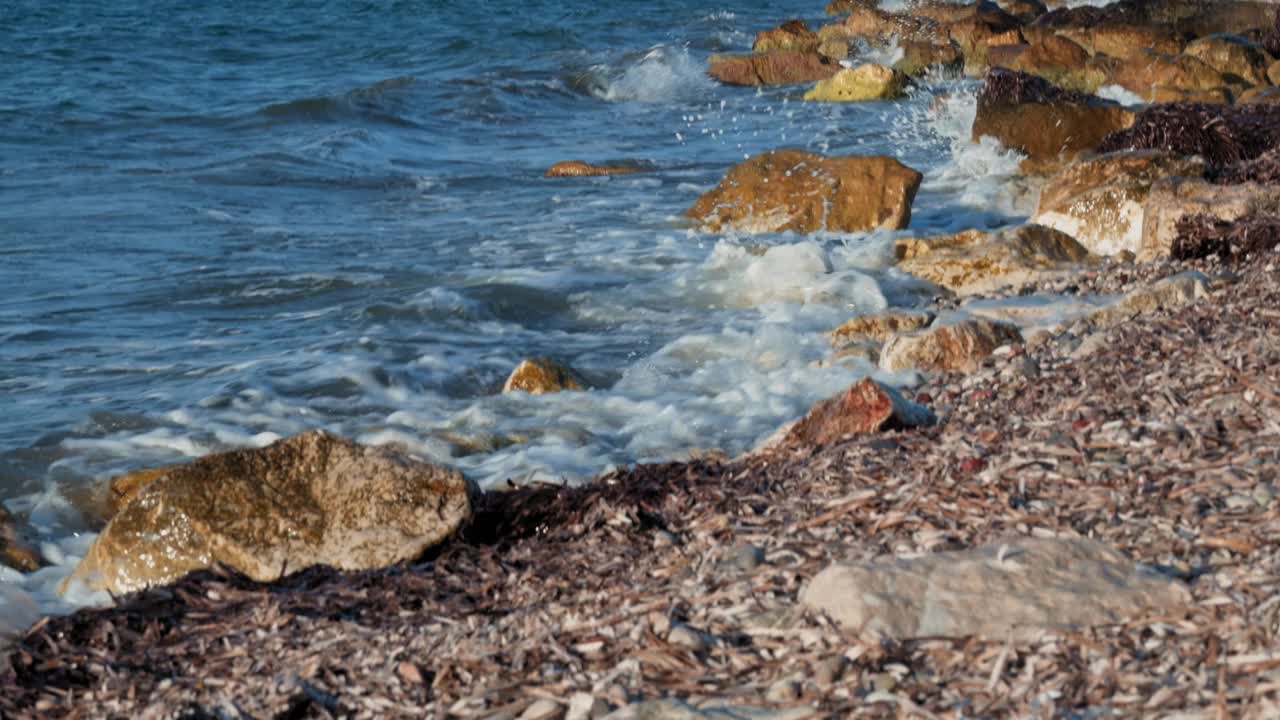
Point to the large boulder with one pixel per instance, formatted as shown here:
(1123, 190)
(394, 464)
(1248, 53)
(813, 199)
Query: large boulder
(863, 83)
(876, 26)
(1238, 59)
(1171, 201)
(974, 261)
(313, 499)
(792, 35)
(1166, 78)
(779, 68)
(865, 407)
(1013, 590)
(1100, 201)
(978, 29)
(960, 346)
(1124, 41)
(803, 192)
(1054, 58)
(539, 376)
(1042, 121)
(577, 168)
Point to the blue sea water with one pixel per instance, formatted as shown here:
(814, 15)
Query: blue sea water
(224, 223)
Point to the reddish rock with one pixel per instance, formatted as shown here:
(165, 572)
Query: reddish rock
(792, 35)
(577, 168)
(780, 68)
(867, 406)
(1238, 60)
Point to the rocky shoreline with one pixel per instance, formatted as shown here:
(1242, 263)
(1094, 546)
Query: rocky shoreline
(1094, 444)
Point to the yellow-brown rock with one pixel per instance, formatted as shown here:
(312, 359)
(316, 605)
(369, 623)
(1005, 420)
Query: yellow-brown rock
(1052, 57)
(1123, 41)
(1024, 10)
(1173, 199)
(974, 261)
(842, 7)
(919, 56)
(878, 326)
(1273, 73)
(123, 488)
(539, 376)
(860, 84)
(865, 407)
(791, 35)
(780, 68)
(313, 499)
(834, 49)
(1043, 122)
(1263, 94)
(1099, 201)
(961, 346)
(577, 168)
(1238, 59)
(1145, 74)
(794, 190)
(15, 551)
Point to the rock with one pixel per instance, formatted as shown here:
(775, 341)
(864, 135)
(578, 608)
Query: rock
(1025, 11)
(585, 706)
(802, 192)
(865, 407)
(878, 27)
(743, 557)
(878, 326)
(829, 671)
(1267, 95)
(785, 690)
(1044, 122)
(308, 500)
(123, 488)
(577, 168)
(1155, 77)
(1100, 201)
(918, 57)
(1054, 58)
(1237, 59)
(1125, 41)
(1196, 17)
(779, 68)
(792, 35)
(1171, 201)
(976, 37)
(543, 709)
(960, 346)
(540, 376)
(673, 709)
(865, 82)
(844, 7)
(1273, 73)
(686, 637)
(834, 49)
(1171, 293)
(1221, 136)
(15, 551)
(974, 261)
(1012, 590)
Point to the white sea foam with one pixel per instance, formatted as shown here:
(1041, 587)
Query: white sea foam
(1122, 95)
(663, 74)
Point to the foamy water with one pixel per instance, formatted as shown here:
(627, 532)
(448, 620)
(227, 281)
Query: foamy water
(371, 250)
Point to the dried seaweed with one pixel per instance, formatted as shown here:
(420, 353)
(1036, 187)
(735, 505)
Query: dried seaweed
(1202, 236)
(1221, 135)
(1010, 87)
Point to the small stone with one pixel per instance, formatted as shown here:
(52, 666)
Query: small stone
(664, 538)
(743, 557)
(829, 671)
(659, 622)
(543, 709)
(585, 706)
(1024, 366)
(1263, 494)
(884, 682)
(687, 637)
(1240, 502)
(783, 691)
(409, 673)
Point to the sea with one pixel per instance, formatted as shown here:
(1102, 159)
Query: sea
(224, 223)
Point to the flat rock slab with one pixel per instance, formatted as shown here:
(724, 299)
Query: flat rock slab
(1016, 589)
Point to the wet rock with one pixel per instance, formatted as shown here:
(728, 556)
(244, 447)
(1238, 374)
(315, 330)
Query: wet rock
(1044, 122)
(1125, 41)
(918, 57)
(1171, 293)
(1014, 589)
(1148, 74)
(792, 35)
(307, 500)
(1261, 95)
(844, 7)
(975, 28)
(1055, 58)
(123, 488)
(15, 551)
(803, 192)
(1099, 201)
(1025, 11)
(975, 261)
(865, 407)
(778, 68)
(877, 27)
(863, 83)
(577, 168)
(960, 346)
(834, 49)
(1273, 73)
(1222, 136)
(1237, 59)
(1172, 200)
(783, 691)
(539, 376)
(878, 326)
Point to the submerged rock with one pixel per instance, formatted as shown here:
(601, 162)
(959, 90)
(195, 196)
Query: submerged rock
(539, 376)
(802, 192)
(1013, 590)
(1100, 201)
(577, 168)
(779, 68)
(1044, 122)
(865, 82)
(791, 35)
(959, 346)
(313, 499)
(867, 406)
(975, 261)
(879, 326)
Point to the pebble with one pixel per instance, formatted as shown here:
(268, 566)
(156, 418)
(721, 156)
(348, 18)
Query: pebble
(585, 706)
(783, 691)
(664, 538)
(1240, 502)
(829, 671)
(743, 556)
(543, 709)
(687, 637)
(1263, 494)
(884, 682)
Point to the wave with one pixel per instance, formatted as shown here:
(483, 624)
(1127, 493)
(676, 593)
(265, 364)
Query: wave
(660, 74)
(376, 103)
